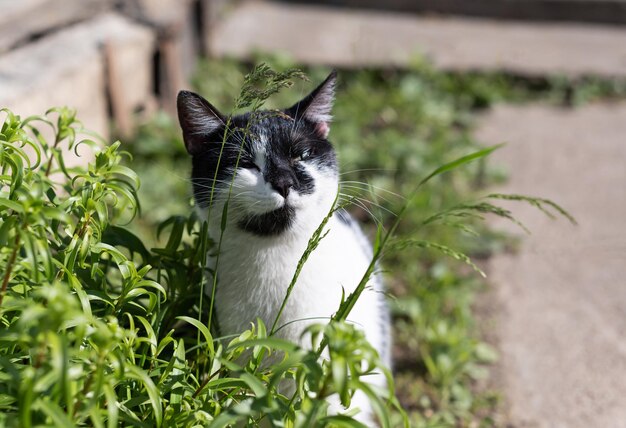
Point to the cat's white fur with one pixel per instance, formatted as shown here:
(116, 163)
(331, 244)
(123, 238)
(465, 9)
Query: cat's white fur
(255, 271)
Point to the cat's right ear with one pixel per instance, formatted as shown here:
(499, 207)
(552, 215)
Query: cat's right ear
(316, 107)
(198, 120)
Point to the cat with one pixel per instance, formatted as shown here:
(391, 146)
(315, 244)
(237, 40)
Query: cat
(285, 184)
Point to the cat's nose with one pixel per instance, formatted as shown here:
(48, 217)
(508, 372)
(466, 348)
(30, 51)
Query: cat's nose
(282, 185)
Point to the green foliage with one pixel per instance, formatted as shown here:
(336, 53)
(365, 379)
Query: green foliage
(104, 321)
(92, 321)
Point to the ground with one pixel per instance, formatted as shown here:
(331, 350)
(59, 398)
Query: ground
(561, 300)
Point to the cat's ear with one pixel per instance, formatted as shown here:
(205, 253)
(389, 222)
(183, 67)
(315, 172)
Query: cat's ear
(316, 107)
(198, 119)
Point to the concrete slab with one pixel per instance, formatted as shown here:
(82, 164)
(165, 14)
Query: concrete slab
(38, 76)
(561, 301)
(67, 69)
(213, 12)
(134, 47)
(23, 19)
(171, 19)
(345, 38)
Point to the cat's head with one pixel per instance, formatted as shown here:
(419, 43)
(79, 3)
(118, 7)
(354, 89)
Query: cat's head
(282, 167)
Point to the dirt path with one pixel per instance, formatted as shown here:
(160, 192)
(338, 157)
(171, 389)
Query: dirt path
(561, 318)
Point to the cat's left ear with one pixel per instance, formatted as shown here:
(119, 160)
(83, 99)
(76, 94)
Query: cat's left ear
(316, 107)
(199, 120)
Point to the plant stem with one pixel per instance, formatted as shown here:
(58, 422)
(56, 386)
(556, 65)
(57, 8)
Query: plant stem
(223, 223)
(7, 274)
(204, 383)
(57, 140)
(311, 246)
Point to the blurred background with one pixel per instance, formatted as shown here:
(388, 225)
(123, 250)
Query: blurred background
(541, 342)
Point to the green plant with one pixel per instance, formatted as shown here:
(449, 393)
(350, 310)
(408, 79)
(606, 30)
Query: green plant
(99, 328)
(88, 313)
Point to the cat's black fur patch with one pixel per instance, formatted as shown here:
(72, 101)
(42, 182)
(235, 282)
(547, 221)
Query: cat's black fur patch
(269, 224)
(206, 162)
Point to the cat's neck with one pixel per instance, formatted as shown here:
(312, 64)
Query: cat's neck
(296, 238)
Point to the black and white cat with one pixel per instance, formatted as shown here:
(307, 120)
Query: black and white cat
(284, 186)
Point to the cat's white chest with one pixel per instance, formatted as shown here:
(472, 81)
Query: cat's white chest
(254, 275)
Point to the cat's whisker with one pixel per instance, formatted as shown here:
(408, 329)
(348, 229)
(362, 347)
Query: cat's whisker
(227, 185)
(207, 182)
(367, 201)
(212, 188)
(364, 203)
(224, 198)
(363, 206)
(371, 201)
(356, 191)
(215, 196)
(365, 185)
(367, 170)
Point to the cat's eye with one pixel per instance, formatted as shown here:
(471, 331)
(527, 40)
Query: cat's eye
(306, 154)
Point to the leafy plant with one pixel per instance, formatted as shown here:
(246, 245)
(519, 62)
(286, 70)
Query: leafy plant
(100, 329)
(89, 333)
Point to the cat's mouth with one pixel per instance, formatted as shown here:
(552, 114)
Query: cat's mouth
(269, 224)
